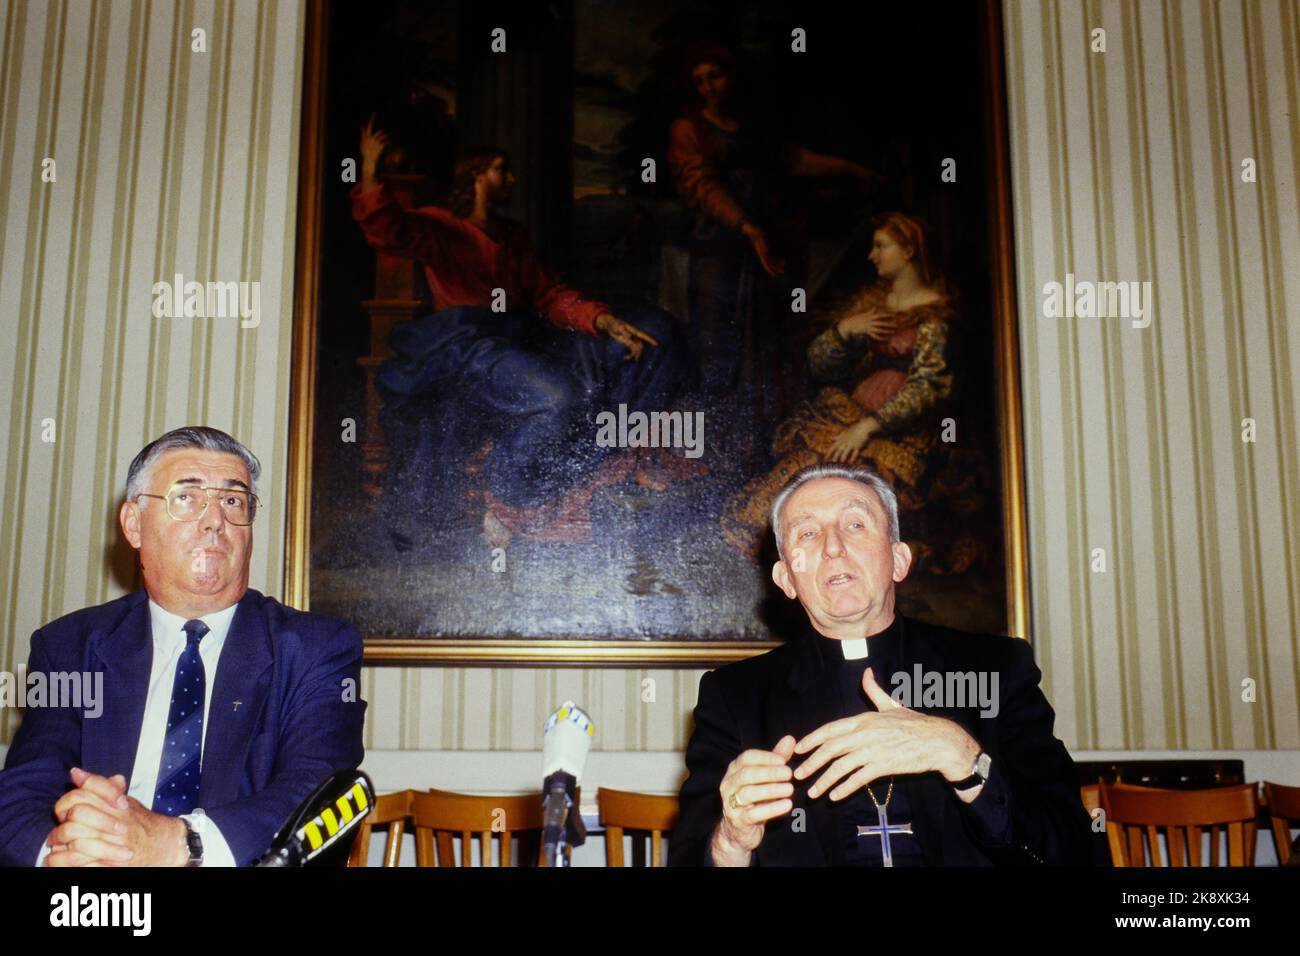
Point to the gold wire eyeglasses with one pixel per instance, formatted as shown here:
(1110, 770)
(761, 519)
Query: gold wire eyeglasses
(184, 503)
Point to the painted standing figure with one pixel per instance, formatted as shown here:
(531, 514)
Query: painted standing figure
(745, 242)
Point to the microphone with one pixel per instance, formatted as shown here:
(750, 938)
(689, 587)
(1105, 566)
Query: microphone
(566, 741)
(330, 813)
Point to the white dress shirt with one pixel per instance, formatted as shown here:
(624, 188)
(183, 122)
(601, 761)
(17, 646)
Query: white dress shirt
(169, 641)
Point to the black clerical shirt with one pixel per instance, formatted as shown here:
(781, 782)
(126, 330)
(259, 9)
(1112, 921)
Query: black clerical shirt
(843, 678)
(1028, 813)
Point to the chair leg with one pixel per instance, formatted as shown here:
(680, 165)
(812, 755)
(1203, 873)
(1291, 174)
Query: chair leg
(393, 847)
(614, 846)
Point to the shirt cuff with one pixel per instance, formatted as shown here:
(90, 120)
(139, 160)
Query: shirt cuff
(989, 815)
(581, 317)
(216, 851)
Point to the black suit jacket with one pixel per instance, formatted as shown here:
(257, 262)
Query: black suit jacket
(1029, 811)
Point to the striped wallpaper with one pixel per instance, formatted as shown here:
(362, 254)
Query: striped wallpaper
(167, 161)
(1125, 166)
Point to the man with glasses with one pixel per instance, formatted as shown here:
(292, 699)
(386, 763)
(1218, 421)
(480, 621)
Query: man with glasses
(223, 708)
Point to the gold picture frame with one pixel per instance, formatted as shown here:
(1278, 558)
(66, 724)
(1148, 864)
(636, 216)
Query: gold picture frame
(587, 652)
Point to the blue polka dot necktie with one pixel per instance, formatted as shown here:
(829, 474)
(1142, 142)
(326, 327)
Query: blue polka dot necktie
(178, 772)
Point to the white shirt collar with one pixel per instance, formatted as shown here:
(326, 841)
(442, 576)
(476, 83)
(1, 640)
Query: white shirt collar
(171, 627)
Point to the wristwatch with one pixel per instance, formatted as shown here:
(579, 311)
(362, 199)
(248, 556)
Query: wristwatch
(194, 842)
(979, 773)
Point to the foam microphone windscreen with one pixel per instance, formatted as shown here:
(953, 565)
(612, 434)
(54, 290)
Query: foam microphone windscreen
(566, 741)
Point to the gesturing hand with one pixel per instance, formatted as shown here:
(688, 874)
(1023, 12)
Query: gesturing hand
(877, 324)
(624, 333)
(373, 143)
(891, 740)
(756, 788)
(772, 264)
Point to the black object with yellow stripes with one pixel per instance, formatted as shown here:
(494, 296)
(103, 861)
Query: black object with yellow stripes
(325, 824)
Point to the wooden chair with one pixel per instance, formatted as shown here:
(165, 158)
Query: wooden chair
(1090, 793)
(1283, 809)
(621, 810)
(440, 815)
(1090, 796)
(1133, 813)
(392, 810)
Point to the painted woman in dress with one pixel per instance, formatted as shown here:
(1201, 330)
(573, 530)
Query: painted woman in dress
(885, 367)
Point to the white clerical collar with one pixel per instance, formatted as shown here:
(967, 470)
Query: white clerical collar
(855, 649)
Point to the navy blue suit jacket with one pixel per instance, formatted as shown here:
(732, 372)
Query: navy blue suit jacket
(297, 723)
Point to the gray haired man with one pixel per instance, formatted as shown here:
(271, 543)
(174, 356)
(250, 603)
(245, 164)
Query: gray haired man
(223, 708)
(801, 756)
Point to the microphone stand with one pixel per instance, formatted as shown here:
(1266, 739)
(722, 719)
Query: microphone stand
(562, 826)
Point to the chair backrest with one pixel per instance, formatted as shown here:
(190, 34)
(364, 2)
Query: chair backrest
(1136, 815)
(621, 810)
(1090, 793)
(440, 815)
(392, 810)
(1283, 807)
(1090, 796)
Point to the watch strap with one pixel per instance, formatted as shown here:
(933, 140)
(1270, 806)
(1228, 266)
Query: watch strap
(194, 842)
(977, 776)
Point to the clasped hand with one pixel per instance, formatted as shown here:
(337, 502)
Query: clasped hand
(890, 740)
(99, 825)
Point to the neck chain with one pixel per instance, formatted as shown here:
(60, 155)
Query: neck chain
(888, 795)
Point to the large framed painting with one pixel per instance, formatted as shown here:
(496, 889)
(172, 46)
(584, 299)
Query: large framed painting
(580, 284)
